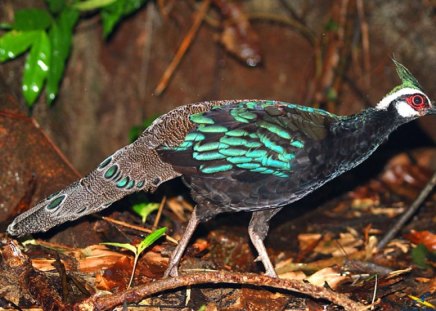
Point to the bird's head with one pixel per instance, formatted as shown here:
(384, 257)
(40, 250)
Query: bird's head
(407, 99)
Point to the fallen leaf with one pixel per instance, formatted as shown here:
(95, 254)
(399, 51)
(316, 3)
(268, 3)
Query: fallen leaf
(238, 37)
(178, 206)
(293, 275)
(426, 238)
(305, 240)
(333, 277)
(347, 244)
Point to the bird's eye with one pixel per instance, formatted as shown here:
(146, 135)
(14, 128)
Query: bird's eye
(417, 101)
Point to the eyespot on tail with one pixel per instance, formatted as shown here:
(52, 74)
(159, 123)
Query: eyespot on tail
(40, 218)
(69, 204)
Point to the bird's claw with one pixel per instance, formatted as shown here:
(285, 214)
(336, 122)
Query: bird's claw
(171, 271)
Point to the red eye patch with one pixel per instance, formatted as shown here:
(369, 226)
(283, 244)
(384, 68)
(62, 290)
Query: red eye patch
(417, 101)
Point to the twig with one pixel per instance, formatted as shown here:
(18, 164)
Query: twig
(374, 295)
(60, 268)
(299, 23)
(182, 48)
(407, 215)
(302, 29)
(365, 40)
(221, 277)
(292, 12)
(159, 212)
(165, 7)
(326, 79)
(138, 228)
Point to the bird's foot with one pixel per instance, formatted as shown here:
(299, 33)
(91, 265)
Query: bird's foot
(269, 269)
(171, 271)
(271, 273)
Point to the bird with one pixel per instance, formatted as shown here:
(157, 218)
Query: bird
(235, 156)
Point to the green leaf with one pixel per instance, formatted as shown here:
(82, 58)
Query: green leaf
(150, 239)
(89, 5)
(145, 209)
(112, 14)
(5, 26)
(331, 25)
(332, 95)
(14, 43)
(136, 131)
(55, 6)
(61, 34)
(68, 18)
(419, 256)
(122, 245)
(131, 6)
(31, 19)
(36, 67)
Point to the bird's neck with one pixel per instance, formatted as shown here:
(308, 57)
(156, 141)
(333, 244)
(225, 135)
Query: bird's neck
(354, 138)
(372, 125)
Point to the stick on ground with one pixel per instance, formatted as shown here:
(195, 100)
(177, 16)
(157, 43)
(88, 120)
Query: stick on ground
(408, 214)
(221, 277)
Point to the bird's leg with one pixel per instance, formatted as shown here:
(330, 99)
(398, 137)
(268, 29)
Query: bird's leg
(173, 264)
(258, 229)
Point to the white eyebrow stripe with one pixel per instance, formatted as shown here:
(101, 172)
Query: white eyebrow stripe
(384, 103)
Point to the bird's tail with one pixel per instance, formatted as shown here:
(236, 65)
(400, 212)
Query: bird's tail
(132, 168)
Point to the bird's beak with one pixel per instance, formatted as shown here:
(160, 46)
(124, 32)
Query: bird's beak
(432, 110)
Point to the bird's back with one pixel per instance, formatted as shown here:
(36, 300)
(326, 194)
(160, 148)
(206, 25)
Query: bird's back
(251, 155)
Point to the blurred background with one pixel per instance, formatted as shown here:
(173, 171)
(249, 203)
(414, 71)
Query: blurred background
(332, 54)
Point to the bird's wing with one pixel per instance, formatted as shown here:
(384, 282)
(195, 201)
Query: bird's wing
(250, 153)
(250, 139)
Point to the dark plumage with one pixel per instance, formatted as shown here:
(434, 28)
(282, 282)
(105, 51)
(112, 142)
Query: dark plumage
(240, 155)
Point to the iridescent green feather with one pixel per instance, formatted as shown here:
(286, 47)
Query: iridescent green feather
(407, 79)
(250, 135)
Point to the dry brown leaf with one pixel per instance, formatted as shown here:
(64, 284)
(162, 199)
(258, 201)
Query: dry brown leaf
(45, 265)
(307, 239)
(329, 275)
(89, 259)
(293, 275)
(406, 180)
(431, 284)
(178, 206)
(390, 212)
(397, 244)
(371, 246)
(345, 245)
(238, 37)
(200, 245)
(396, 273)
(427, 238)
(115, 277)
(364, 203)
